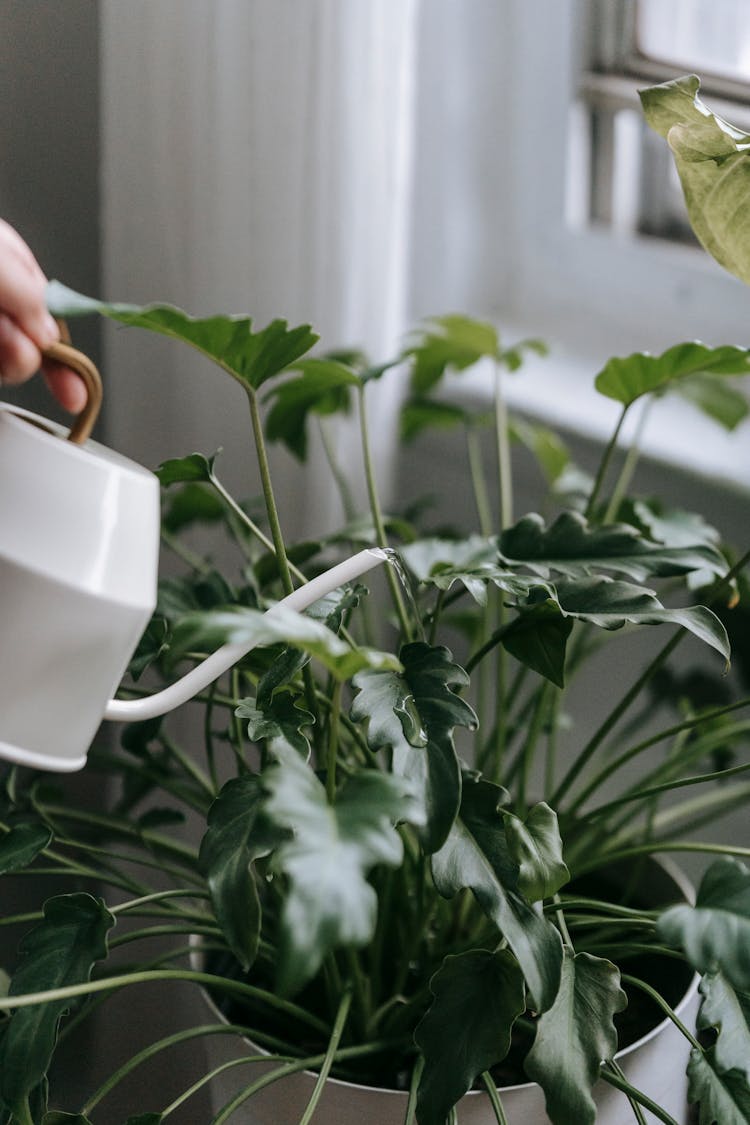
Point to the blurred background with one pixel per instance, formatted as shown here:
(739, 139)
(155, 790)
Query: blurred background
(361, 164)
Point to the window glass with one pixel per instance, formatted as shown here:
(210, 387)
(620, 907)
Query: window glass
(707, 36)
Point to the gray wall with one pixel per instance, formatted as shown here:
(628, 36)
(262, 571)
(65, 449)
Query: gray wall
(49, 147)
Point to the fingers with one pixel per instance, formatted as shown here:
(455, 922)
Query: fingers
(26, 328)
(19, 355)
(22, 290)
(67, 387)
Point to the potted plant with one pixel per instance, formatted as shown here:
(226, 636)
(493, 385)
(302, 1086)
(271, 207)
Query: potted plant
(399, 884)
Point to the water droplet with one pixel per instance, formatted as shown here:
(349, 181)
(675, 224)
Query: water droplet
(394, 559)
(411, 722)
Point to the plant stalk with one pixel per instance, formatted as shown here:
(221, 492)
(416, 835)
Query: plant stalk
(377, 514)
(333, 1044)
(271, 509)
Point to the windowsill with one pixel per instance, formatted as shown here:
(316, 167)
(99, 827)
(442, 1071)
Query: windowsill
(558, 390)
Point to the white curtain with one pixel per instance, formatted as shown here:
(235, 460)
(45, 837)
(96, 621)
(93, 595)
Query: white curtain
(257, 158)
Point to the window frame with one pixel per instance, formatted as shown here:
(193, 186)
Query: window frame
(590, 282)
(590, 291)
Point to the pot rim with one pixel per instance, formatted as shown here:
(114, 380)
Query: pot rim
(673, 870)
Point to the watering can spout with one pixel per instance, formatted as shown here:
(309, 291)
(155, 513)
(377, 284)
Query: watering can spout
(199, 678)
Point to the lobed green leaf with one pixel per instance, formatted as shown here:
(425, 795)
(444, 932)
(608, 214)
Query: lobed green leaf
(22, 844)
(330, 850)
(715, 932)
(413, 713)
(575, 548)
(476, 856)
(726, 1010)
(723, 1099)
(536, 846)
(712, 162)
(575, 1036)
(477, 997)
(693, 369)
(59, 951)
(250, 357)
(323, 387)
(205, 632)
(237, 835)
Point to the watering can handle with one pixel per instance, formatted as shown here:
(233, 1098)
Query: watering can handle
(63, 352)
(199, 678)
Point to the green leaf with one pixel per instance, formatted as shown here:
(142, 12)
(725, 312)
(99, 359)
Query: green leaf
(574, 1036)
(611, 605)
(476, 856)
(59, 1117)
(205, 632)
(573, 547)
(445, 343)
(331, 849)
(547, 447)
(420, 414)
(329, 611)
(22, 844)
(414, 713)
(536, 846)
(674, 527)
(472, 561)
(192, 504)
(712, 162)
(323, 388)
(60, 951)
(157, 818)
(538, 638)
(280, 719)
(250, 357)
(697, 366)
(154, 643)
(477, 998)
(237, 835)
(182, 470)
(715, 933)
(725, 404)
(723, 1099)
(727, 1011)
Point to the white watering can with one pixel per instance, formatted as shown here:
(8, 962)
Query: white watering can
(79, 547)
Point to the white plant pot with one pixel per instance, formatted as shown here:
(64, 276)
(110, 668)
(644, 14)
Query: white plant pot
(654, 1064)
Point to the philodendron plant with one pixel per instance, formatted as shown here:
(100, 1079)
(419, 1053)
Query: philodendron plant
(401, 879)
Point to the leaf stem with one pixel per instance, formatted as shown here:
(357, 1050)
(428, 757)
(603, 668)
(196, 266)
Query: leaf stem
(339, 476)
(659, 1000)
(377, 515)
(411, 1105)
(333, 742)
(479, 484)
(265, 478)
(153, 1049)
(654, 847)
(616, 764)
(333, 1044)
(604, 464)
(637, 1095)
(626, 473)
(251, 525)
(613, 718)
(210, 980)
(494, 1096)
(505, 478)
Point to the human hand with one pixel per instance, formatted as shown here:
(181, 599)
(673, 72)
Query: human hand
(26, 327)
